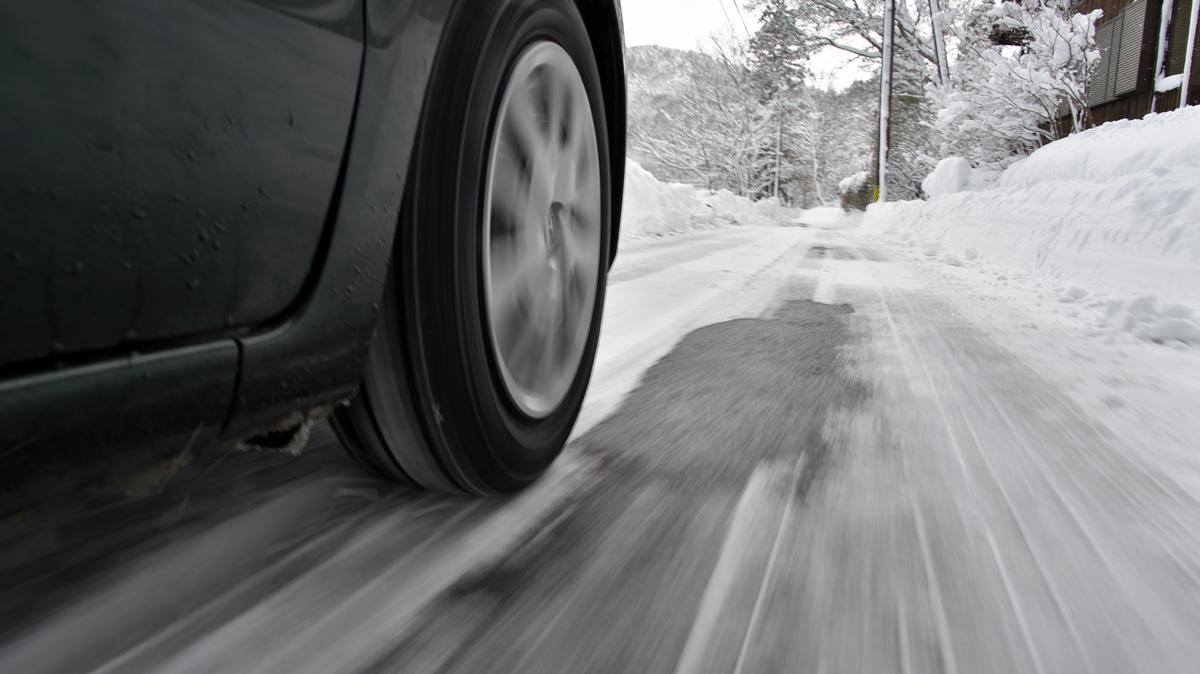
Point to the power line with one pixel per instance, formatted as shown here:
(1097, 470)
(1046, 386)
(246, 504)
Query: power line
(741, 18)
(729, 21)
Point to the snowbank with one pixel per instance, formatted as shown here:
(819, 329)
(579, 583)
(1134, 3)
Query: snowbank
(655, 208)
(1164, 142)
(1113, 214)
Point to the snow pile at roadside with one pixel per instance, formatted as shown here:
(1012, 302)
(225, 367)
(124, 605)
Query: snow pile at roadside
(954, 174)
(655, 208)
(726, 208)
(1166, 142)
(1109, 217)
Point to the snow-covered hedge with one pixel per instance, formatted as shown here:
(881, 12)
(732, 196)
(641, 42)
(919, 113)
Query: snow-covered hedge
(852, 183)
(655, 208)
(1114, 210)
(952, 174)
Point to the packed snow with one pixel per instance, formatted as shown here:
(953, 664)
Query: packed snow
(827, 217)
(1084, 258)
(1107, 220)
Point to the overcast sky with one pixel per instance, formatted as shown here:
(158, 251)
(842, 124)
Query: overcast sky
(688, 24)
(679, 23)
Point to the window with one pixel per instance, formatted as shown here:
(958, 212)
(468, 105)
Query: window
(1120, 44)
(1177, 37)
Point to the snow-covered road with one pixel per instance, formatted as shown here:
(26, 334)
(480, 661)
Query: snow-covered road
(799, 453)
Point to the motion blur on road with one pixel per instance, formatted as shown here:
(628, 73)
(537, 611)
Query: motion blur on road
(801, 452)
(953, 432)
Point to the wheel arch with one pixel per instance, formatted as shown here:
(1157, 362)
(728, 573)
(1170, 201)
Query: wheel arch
(316, 357)
(606, 33)
(324, 344)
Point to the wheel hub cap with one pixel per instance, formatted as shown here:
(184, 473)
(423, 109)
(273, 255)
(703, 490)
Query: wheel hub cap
(541, 228)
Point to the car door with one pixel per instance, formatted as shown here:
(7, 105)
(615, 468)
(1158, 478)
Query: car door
(166, 166)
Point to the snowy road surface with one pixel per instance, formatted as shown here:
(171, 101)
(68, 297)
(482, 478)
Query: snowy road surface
(799, 454)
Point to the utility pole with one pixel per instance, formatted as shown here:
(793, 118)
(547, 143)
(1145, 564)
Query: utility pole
(1182, 81)
(1186, 83)
(885, 94)
(939, 43)
(778, 153)
(1160, 61)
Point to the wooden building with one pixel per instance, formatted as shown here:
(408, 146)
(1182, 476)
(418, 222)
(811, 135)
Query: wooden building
(1144, 65)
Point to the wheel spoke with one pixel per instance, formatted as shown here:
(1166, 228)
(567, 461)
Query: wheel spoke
(578, 127)
(510, 201)
(521, 122)
(558, 106)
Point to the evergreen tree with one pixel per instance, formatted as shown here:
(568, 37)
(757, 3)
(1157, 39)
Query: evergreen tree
(779, 62)
(778, 52)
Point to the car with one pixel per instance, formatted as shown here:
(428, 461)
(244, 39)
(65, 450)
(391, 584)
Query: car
(226, 220)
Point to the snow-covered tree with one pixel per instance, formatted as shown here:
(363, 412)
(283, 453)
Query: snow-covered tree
(912, 146)
(736, 116)
(1054, 66)
(779, 63)
(851, 124)
(855, 27)
(698, 118)
(837, 132)
(779, 53)
(1003, 102)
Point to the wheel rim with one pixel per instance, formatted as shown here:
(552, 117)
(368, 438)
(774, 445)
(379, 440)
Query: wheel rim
(541, 228)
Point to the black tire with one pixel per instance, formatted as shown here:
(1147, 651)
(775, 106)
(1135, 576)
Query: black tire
(433, 410)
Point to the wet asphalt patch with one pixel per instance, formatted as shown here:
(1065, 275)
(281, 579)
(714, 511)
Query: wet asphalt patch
(830, 252)
(614, 583)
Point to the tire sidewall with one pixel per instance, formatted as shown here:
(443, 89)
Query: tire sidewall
(490, 444)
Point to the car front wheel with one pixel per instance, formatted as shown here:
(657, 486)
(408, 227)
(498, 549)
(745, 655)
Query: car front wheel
(492, 310)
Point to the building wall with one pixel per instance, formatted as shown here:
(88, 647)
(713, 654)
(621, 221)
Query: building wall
(1137, 103)
(1110, 7)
